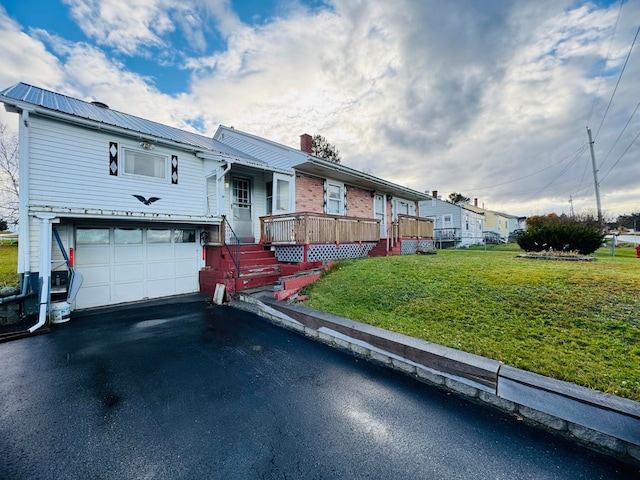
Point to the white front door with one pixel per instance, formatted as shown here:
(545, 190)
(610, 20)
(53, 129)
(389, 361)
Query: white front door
(380, 211)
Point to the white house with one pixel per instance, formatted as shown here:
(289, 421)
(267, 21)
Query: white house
(144, 210)
(455, 225)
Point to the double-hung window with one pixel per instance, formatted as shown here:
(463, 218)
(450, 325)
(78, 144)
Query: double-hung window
(335, 198)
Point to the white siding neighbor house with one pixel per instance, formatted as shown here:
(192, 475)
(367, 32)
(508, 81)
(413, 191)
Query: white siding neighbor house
(455, 225)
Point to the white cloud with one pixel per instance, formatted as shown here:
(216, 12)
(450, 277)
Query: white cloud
(451, 96)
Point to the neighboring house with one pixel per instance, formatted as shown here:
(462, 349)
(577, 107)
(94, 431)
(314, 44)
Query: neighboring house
(455, 225)
(146, 210)
(496, 226)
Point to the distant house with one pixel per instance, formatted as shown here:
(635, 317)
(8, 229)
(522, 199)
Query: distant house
(496, 224)
(455, 225)
(145, 210)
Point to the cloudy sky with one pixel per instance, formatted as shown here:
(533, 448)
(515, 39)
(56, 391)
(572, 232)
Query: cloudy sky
(489, 98)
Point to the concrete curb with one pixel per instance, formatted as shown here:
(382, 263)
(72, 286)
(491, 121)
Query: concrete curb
(592, 418)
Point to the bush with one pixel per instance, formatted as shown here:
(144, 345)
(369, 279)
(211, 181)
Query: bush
(560, 234)
(3, 225)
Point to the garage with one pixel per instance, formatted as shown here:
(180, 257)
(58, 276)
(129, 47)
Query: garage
(126, 264)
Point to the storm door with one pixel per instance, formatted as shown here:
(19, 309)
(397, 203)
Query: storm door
(241, 207)
(379, 207)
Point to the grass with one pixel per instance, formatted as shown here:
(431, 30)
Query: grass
(574, 321)
(8, 265)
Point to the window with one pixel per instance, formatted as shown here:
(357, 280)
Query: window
(92, 236)
(145, 164)
(282, 195)
(269, 198)
(184, 236)
(335, 198)
(126, 236)
(158, 236)
(447, 221)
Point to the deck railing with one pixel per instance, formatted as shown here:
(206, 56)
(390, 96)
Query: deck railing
(414, 227)
(305, 228)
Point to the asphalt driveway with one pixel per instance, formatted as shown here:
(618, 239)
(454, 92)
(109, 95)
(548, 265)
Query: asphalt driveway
(179, 389)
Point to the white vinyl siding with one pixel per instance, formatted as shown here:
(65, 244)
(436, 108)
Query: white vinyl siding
(79, 177)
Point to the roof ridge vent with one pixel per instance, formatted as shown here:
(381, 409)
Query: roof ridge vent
(100, 104)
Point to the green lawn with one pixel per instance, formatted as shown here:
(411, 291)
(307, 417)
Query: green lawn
(575, 321)
(8, 265)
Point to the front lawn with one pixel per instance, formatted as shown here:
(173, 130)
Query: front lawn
(575, 321)
(8, 265)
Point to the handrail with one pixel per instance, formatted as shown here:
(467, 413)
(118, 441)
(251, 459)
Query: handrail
(231, 242)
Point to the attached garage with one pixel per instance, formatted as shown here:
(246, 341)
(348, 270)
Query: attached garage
(125, 264)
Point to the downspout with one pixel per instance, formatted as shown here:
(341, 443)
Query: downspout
(24, 234)
(45, 267)
(24, 257)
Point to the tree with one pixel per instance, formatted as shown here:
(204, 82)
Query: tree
(321, 148)
(458, 198)
(9, 189)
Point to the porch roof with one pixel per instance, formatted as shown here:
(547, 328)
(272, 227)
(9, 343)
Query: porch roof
(323, 168)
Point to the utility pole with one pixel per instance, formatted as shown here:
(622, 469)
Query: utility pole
(571, 213)
(595, 178)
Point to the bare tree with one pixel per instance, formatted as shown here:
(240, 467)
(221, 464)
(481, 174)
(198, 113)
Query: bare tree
(9, 189)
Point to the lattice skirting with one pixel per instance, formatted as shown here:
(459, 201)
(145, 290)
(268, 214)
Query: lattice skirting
(407, 247)
(323, 252)
(290, 253)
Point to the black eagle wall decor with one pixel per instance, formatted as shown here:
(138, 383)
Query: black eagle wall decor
(145, 201)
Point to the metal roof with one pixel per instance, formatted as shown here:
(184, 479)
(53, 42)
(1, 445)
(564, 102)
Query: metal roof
(100, 113)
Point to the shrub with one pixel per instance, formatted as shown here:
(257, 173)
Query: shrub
(560, 234)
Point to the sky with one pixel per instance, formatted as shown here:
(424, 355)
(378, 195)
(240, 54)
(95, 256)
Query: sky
(488, 98)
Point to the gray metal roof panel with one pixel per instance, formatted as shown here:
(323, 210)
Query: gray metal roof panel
(78, 108)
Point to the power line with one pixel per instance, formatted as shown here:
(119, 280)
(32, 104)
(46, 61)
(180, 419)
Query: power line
(620, 135)
(620, 157)
(564, 170)
(604, 65)
(618, 82)
(581, 149)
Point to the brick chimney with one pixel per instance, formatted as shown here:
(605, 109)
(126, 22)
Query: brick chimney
(305, 142)
(434, 194)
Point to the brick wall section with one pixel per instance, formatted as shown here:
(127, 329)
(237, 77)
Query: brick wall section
(309, 193)
(359, 202)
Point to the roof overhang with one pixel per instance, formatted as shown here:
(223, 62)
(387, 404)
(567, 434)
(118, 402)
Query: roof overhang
(253, 163)
(325, 169)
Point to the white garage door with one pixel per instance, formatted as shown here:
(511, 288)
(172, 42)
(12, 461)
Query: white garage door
(128, 264)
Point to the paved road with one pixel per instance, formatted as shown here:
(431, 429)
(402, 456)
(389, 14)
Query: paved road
(182, 390)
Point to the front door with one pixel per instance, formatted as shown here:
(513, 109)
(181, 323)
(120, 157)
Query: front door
(380, 213)
(241, 207)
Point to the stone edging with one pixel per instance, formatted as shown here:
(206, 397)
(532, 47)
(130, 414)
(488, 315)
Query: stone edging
(606, 422)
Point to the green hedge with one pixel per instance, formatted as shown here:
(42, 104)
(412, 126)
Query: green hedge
(567, 235)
